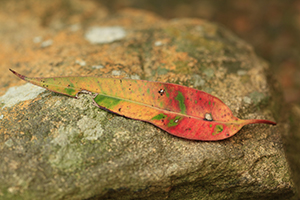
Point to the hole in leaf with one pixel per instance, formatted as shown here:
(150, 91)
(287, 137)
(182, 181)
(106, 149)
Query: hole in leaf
(208, 117)
(161, 92)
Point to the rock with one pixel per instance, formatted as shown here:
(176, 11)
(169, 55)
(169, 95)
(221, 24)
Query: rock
(56, 147)
(291, 141)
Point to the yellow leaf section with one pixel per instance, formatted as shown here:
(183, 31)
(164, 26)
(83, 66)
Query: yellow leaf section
(127, 108)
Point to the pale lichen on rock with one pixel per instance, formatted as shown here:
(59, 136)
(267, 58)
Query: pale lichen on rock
(21, 93)
(91, 128)
(100, 35)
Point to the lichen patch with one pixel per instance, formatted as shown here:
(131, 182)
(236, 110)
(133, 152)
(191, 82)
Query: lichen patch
(17, 94)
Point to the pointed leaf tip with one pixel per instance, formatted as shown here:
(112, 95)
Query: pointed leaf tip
(17, 74)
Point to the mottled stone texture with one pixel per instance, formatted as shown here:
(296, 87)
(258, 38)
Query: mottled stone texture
(57, 147)
(292, 147)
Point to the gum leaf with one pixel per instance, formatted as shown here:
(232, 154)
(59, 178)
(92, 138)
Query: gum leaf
(181, 111)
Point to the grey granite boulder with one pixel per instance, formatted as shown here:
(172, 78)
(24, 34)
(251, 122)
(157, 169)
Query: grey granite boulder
(57, 147)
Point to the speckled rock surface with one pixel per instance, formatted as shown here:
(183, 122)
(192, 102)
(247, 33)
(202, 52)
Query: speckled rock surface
(56, 147)
(292, 141)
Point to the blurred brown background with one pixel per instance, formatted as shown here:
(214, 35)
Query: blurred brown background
(272, 27)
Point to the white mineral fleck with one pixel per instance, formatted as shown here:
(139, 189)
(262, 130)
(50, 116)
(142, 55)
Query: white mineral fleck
(116, 73)
(80, 62)
(135, 76)
(37, 39)
(97, 66)
(101, 35)
(247, 100)
(46, 43)
(241, 72)
(158, 43)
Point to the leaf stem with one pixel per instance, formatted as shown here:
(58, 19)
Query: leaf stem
(259, 121)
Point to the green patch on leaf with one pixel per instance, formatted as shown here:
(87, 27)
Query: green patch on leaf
(69, 90)
(167, 93)
(180, 99)
(218, 129)
(106, 102)
(174, 122)
(159, 116)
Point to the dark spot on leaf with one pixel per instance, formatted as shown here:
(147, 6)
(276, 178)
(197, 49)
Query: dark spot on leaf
(161, 92)
(119, 109)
